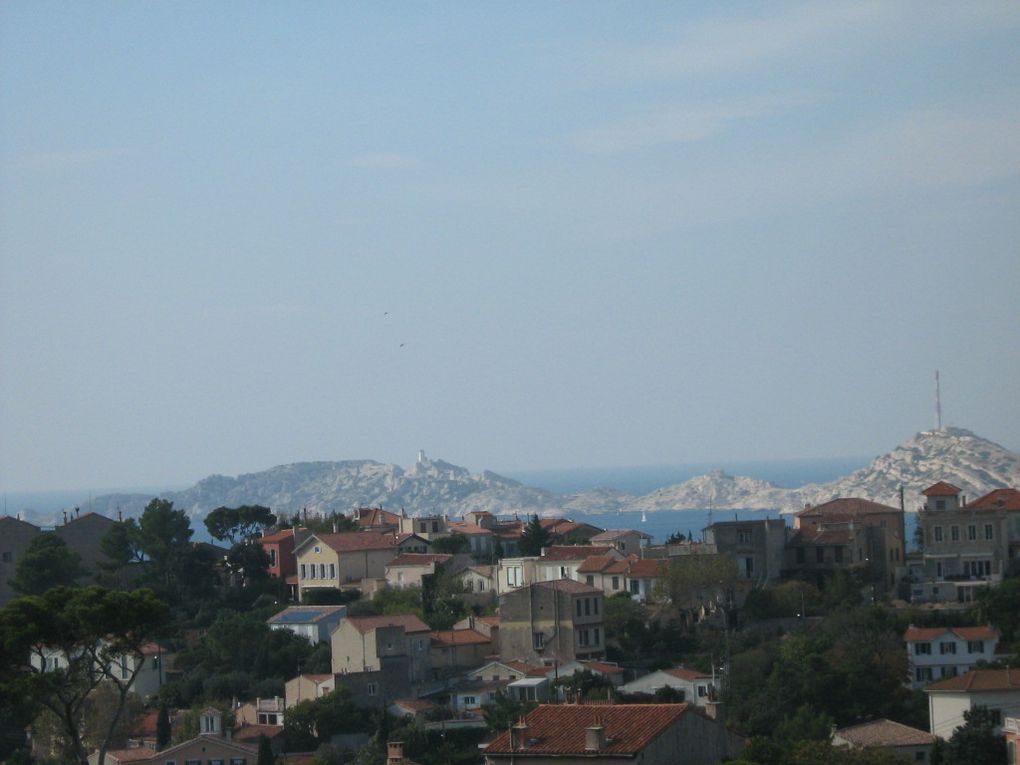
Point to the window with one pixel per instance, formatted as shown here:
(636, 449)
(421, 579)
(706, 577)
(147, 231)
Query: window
(635, 586)
(303, 576)
(922, 674)
(595, 606)
(989, 532)
(587, 606)
(939, 573)
(563, 573)
(579, 607)
(513, 576)
(595, 636)
(470, 701)
(954, 533)
(590, 579)
(422, 526)
(839, 554)
(322, 571)
(949, 672)
(938, 533)
(318, 549)
(996, 716)
(192, 762)
(800, 554)
(820, 554)
(702, 691)
(582, 637)
(616, 582)
(371, 689)
(623, 545)
(538, 641)
(124, 674)
(481, 585)
(975, 646)
(435, 526)
(920, 756)
(971, 533)
(332, 571)
(237, 761)
(744, 537)
(215, 762)
(945, 648)
(272, 556)
(170, 762)
(940, 504)
(922, 649)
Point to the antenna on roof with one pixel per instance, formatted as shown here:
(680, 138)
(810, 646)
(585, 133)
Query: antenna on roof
(938, 400)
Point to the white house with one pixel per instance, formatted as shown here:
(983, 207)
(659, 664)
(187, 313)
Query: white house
(151, 664)
(936, 653)
(996, 689)
(696, 687)
(313, 622)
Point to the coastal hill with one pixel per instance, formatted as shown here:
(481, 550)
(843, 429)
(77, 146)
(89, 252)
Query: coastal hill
(974, 464)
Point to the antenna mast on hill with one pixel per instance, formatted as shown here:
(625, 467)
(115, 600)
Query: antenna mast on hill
(938, 400)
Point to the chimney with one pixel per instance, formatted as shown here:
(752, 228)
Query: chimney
(519, 735)
(77, 512)
(395, 753)
(595, 737)
(65, 516)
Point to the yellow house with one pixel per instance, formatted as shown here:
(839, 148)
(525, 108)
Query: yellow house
(333, 561)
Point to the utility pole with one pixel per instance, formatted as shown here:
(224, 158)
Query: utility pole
(938, 401)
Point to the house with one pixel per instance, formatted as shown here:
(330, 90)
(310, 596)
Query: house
(15, 537)
(906, 743)
(693, 686)
(605, 572)
(279, 547)
(935, 653)
(479, 583)
(758, 547)
(487, 625)
(152, 663)
(308, 688)
(261, 712)
(563, 561)
(650, 734)
(626, 541)
(552, 622)
(454, 650)
(83, 533)
(396, 648)
(488, 536)
(468, 698)
(210, 747)
(568, 531)
(644, 577)
(848, 534)
(1011, 727)
(333, 561)
(514, 572)
(376, 519)
(507, 671)
(606, 670)
(426, 526)
(313, 622)
(408, 569)
(530, 688)
(966, 546)
(996, 689)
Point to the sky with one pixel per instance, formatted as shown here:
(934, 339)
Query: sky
(515, 235)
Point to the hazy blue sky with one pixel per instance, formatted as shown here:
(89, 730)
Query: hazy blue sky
(517, 235)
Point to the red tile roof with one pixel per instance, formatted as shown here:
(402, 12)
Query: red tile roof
(365, 624)
(573, 552)
(568, 585)
(603, 667)
(528, 670)
(376, 516)
(690, 675)
(459, 637)
(980, 680)
(560, 729)
(999, 499)
(461, 527)
(355, 541)
(611, 535)
(648, 568)
(249, 733)
(847, 508)
(942, 489)
(914, 634)
(278, 536)
(885, 733)
(596, 563)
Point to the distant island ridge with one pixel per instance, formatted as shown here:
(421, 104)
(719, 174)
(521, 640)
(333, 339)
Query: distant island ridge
(430, 486)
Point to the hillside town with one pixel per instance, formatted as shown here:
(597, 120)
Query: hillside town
(378, 636)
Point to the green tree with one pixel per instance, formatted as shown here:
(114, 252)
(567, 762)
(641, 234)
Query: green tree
(976, 741)
(238, 524)
(692, 581)
(504, 711)
(163, 729)
(625, 622)
(88, 630)
(1001, 606)
(534, 537)
(48, 562)
(265, 756)
(312, 722)
(120, 549)
(452, 544)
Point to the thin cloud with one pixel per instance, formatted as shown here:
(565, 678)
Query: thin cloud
(60, 160)
(675, 125)
(390, 160)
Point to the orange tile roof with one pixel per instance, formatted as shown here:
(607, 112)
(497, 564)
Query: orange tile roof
(376, 516)
(885, 733)
(355, 541)
(524, 668)
(461, 527)
(942, 489)
(690, 675)
(419, 559)
(573, 552)
(459, 637)
(999, 499)
(560, 729)
(603, 667)
(649, 568)
(611, 535)
(132, 755)
(980, 680)
(847, 507)
(254, 732)
(595, 564)
(365, 624)
(279, 536)
(568, 585)
(913, 634)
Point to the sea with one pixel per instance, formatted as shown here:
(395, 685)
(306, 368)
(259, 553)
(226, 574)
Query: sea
(631, 480)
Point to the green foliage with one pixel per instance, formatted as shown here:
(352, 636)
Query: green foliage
(534, 537)
(325, 524)
(1001, 606)
(796, 598)
(404, 600)
(48, 562)
(163, 729)
(325, 596)
(975, 742)
(265, 756)
(239, 524)
(843, 590)
(504, 711)
(452, 544)
(691, 581)
(90, 628)
(312, 722)
(587, 683)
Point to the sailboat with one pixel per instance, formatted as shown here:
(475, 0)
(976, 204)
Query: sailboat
(644, 517)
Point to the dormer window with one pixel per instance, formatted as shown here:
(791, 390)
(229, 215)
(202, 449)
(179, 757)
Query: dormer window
(317, 549)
